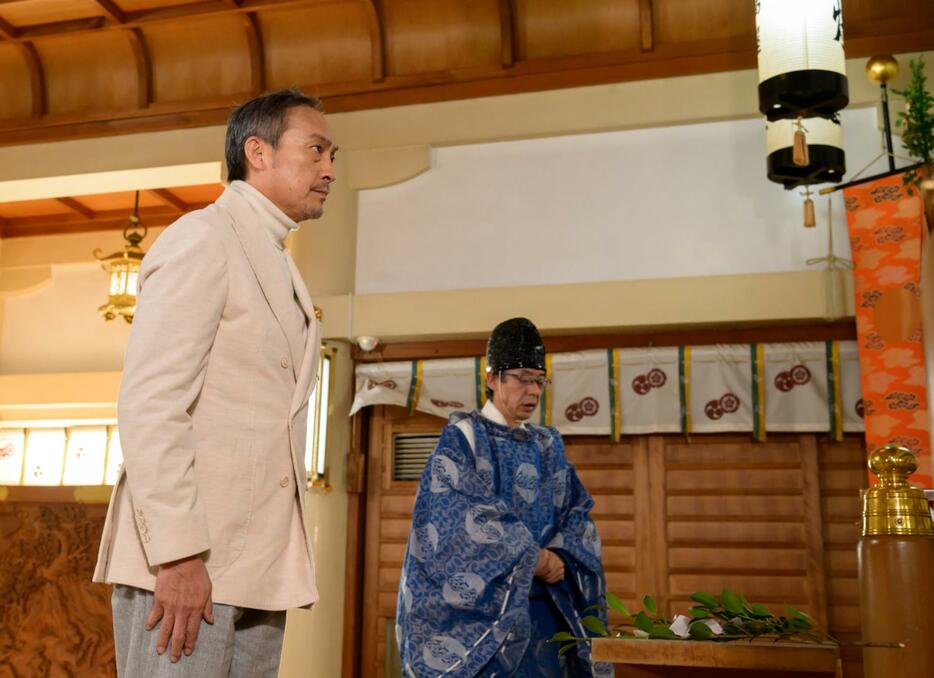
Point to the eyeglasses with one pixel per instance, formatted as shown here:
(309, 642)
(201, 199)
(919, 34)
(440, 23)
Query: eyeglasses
(528, 379)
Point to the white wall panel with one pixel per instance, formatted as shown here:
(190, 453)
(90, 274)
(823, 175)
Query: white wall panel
(689, 200)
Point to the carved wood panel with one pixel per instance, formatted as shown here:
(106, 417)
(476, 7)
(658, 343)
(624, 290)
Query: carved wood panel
(53, 620)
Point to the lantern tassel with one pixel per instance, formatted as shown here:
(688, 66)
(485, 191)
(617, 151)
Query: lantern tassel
(799, 154)
(809, 219)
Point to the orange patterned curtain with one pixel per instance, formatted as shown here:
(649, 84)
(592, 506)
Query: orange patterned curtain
(885, 225)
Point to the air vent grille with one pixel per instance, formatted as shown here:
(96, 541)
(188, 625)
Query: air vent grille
(410, 451)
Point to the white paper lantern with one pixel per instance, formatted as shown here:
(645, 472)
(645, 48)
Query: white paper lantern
(827, 161)
(802, 67)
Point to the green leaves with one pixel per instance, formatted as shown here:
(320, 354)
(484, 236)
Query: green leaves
(649, 604)
(595, 625)
(662, 631)
(700, 631)
(561, 636)
(616, 604)
(731, 602)
(706, 599)
(760, 611)
(644, 622)
(725, 618)
(917, 120)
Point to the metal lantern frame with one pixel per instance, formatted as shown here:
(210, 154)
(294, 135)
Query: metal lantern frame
(123, 268)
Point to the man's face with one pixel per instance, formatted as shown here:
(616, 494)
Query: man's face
(513, 398)
(298, 173)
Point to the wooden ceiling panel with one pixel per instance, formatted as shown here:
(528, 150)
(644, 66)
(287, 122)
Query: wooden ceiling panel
(198, 58)
(171, 63)
(119, 200)
(95, 72)
(686, 21)
(198, 194)
(16, 101)
(38, 12)
(864, 19)
(141, 5)
(862, 11)
(101, 211)
(317, 45)
(31, 208)
(431, 35)
(556, 28)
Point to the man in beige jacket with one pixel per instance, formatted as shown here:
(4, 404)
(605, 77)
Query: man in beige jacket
(204, 538)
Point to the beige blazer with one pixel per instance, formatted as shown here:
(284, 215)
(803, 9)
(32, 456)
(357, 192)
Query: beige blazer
(212, 415)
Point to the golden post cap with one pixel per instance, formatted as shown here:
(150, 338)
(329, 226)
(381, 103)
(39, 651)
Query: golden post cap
(894, 506)
(881, 68)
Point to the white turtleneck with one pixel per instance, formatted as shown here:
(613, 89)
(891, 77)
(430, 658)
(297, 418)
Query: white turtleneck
(274, 220)
(277, 225)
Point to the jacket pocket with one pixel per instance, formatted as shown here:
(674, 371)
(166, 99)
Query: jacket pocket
(225, 472)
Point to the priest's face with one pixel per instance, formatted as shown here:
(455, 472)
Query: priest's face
(516, 393)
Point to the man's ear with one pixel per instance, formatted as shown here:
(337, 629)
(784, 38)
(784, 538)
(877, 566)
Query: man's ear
(490, 379)
(254, 150)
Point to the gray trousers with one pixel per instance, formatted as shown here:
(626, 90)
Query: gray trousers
(242, 643)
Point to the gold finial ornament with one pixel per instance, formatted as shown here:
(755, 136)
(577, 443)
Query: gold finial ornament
(894, 506)
(881, 68)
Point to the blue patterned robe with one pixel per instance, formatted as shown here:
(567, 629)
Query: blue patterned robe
(469, 604)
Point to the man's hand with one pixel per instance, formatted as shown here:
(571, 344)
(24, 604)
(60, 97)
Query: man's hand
(550, 567)
(182, 599)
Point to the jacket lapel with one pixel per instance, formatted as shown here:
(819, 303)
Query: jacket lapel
(309, 366)
(266, 262)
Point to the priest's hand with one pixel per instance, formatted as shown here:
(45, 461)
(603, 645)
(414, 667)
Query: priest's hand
(550, 567)
(181, 599)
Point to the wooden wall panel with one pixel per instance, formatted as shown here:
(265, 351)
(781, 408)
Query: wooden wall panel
(775, 520)
(96, 72)
(16, 101)
(53, 620)
(842, 512)
(334, 42)
(198, 58)
(556, 28)
(441, 36)
(688, 21)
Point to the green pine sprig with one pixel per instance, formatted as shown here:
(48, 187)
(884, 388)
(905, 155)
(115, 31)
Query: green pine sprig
(917, 121)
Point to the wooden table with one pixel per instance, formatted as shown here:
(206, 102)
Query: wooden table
(739, 659)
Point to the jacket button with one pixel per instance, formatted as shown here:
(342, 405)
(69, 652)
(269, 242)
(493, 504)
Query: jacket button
(284, 482)
(284, 362)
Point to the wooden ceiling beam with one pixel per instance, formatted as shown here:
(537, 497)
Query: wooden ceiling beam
(113, 12)
(377, 39)
(507, 32)
(77, 207)
(254, 39)
(8, 31)
(646, 25)
(36, 78)
(58, 28)
(143, 66)
(170, 199)
(143, 18)
(110, 220)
